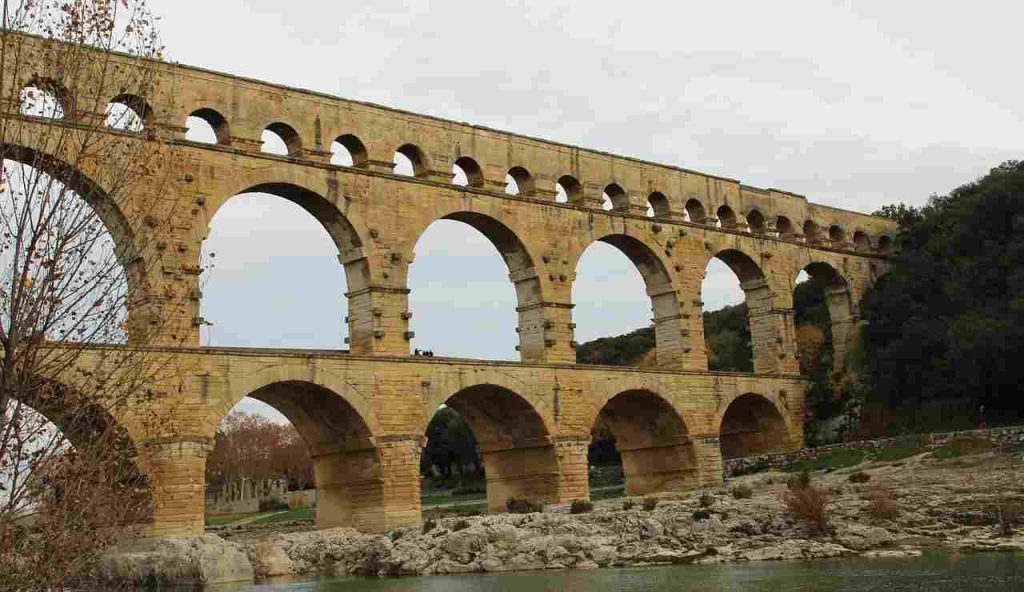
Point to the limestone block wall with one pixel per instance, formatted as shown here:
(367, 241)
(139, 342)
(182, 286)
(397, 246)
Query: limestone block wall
(363, 413)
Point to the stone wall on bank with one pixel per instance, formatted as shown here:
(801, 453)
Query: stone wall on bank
(1008, 435)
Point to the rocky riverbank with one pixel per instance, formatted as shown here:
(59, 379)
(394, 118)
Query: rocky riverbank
(953, 503)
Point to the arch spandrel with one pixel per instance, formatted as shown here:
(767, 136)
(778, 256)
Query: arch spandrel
(534, 397)
(242, 383)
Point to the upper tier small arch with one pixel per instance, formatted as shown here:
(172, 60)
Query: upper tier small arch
(411, 161)
(281, 139)
(219, 131)
(519, 181)
(349, 150)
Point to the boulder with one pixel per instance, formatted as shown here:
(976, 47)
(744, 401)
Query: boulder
(177, 561)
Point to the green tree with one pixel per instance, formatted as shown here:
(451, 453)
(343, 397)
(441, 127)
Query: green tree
(946, 325)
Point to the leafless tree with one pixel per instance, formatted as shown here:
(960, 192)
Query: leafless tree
(77, 149)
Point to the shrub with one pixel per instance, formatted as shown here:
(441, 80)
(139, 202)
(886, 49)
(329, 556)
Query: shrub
(523, 506)
(742, 491)
(428, 525)
(859, 477)
(707, 499)
(273, 505)
(650, 503)
(581, 506)
(1008, 512)
(882, 502)
(799, 481)
(809, 504)
(699, 515)
(460, 525)
(628, 504)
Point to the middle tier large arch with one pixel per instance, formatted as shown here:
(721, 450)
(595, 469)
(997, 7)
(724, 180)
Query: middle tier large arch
(662, 289)
(520, 261)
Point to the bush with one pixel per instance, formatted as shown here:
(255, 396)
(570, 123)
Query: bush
(1008, 513)
(523, 506)
(859, 477)
(581, 506)
(650, 503)
(460, 525)
(958, 447)
(799, 481)
(707, 499)
(882, 503)
(628, 504)
(699, 515)
(273, 505)
(428, 525)
(809, 504)
(742, 491)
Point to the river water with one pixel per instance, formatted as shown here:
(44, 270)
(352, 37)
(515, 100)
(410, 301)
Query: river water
(934, 572)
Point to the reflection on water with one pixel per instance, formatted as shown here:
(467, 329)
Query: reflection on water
(935, 572)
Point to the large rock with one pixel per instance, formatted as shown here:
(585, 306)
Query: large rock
(861, 538)
(187, 561)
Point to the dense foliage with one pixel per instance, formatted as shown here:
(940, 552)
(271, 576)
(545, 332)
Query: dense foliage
(946, 325)
(451, 449)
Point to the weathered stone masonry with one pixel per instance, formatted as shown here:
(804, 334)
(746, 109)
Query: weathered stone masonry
(363, 413)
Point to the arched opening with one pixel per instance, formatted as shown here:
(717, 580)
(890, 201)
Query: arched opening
(657, 205)
(348, 150)
(823, 318)
(410, 161)
(518, 181)
(68, 471)
(614, 198)
(129, 113)
(886, 246)
(726, 217)
(206, 126)
(812, 232)
(861, 241)
(837, 234)
(472, 272)
(74, 249)
(281, 139)
(516, 455)
(695, 211)
(299, 447)
(752, 426)
(733, 292)
(756, 222)
(271, 274)
(784, 227)
(640, 432)
(619, 283)
(42, 100)
(568, 190)
(466, 173)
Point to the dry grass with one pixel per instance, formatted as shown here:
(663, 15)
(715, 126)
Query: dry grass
(882, 502)
(808, 504)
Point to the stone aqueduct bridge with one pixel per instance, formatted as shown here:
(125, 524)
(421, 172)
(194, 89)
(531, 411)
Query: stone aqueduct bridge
(364, 413)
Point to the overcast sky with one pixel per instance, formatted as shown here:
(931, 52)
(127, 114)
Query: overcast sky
(855, 105)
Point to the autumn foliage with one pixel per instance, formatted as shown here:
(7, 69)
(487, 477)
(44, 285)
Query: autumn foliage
(251, 446)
